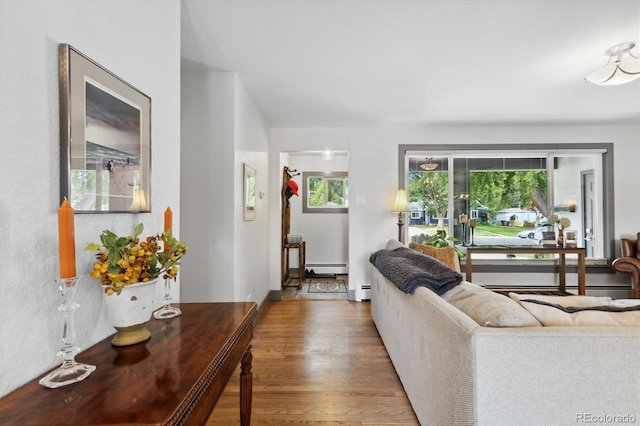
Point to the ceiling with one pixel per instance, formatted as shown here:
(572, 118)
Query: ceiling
(320, 63)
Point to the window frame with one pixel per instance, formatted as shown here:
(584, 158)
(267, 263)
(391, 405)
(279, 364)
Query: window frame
(607, 190)
(326, 175)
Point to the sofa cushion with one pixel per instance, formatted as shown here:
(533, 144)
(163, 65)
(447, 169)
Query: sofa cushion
(616, 313)
(576, 301)
(393, 244)
(487, 308)
(446, 255)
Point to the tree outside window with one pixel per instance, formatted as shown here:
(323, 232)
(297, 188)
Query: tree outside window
(431, 191)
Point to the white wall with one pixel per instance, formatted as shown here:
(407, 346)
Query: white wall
(138, 40)
(373, 172)
(221, 130)
(207, 186)
(251, 237)
(326, 234)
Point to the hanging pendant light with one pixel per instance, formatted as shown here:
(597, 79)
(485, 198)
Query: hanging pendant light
(429, 165)
(619, 69)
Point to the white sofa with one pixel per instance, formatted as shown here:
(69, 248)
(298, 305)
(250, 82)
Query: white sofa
(456, 372)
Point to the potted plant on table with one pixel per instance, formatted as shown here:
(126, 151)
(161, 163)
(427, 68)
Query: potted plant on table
(128, 269)
(440, 240)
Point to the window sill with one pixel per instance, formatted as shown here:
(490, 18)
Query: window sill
(535, 265)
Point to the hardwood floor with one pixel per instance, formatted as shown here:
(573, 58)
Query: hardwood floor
(318, 362)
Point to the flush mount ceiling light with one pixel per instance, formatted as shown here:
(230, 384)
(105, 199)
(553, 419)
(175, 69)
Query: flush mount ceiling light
(619, 69)
(327, 155)
(429, 165)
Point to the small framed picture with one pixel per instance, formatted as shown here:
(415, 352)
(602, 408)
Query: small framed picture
(249, 193)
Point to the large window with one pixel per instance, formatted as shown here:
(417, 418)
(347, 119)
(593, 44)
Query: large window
(510, 192)
(325, 192)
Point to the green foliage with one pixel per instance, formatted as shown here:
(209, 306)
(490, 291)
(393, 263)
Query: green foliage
(316, 196)
(500, 190)
(431, 191)
(324, 191)
(123, 261)
(440, 240)
(496, 190)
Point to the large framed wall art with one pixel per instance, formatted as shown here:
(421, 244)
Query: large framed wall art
(105, 138)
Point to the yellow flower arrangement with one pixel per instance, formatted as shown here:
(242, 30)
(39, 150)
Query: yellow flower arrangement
(125, 261)
(560, 222)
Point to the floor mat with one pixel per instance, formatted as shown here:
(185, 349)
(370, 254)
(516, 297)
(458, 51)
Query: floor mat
(327, 286)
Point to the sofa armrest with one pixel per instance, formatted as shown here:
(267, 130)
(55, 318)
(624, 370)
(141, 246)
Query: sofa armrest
(632, 266)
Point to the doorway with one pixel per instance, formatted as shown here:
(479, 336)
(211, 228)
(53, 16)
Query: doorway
(319, 214)
(588, 215)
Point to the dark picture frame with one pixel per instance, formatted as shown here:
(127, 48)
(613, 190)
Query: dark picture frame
(105, 138)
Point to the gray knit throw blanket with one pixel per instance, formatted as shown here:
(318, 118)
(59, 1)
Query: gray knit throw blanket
(408, 269)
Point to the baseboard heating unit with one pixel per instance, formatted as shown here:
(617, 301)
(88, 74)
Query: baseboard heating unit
(363, 292)
(328, 268)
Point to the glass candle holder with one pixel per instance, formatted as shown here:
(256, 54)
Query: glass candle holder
(70, 371)
(167, 311)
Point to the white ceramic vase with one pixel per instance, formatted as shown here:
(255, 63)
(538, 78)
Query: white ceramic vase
(130, 311)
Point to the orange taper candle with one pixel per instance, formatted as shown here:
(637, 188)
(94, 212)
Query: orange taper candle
(66, 239)
(168, 224)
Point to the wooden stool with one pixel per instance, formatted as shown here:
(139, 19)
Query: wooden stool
(302, 248)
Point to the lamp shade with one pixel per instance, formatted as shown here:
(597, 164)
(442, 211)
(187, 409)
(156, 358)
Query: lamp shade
(139, 201)
(401, 204)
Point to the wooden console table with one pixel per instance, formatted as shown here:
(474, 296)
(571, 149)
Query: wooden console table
(560, 251)
(175, 377)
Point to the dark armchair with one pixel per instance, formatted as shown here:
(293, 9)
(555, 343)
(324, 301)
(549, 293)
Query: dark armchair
(630, 262)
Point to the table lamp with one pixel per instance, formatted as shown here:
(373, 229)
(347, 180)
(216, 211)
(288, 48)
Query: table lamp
(401, 206)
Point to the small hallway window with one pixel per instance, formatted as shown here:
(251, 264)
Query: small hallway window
(325, 192)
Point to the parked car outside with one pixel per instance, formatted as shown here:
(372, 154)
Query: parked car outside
(535, 233)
